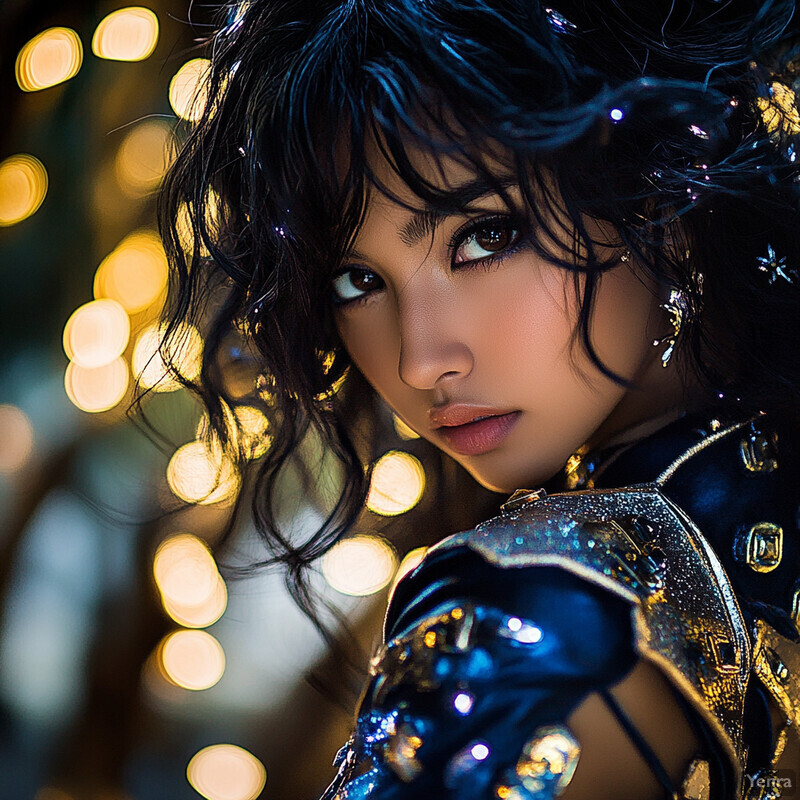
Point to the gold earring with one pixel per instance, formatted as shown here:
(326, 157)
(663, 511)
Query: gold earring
(677, 307)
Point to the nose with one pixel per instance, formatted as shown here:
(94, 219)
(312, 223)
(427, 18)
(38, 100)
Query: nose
(433, 349)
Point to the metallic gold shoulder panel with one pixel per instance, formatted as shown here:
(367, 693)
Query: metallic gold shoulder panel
(639, 545)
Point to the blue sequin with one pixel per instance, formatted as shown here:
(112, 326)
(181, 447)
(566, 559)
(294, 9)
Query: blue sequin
(361, 788)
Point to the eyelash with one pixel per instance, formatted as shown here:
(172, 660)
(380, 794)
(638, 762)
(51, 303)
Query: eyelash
(457, 240)
(474, 226)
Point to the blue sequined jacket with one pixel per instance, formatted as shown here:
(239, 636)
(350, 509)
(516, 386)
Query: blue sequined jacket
(682, 550)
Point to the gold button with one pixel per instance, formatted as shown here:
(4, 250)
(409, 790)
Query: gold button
(759, 452)
(761, 548)
(697, 783)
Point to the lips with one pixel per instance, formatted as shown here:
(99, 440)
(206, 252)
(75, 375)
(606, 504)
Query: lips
(455, 414)
(472, 430)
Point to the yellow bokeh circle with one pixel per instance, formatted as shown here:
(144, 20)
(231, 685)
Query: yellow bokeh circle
(188, 89)
(254, 426)
(23, 187)
(144, 156)
(184, 349)
(226, 772)
(397, 484)
(192, 660)
(97, 333)
(360, 565)
(127, 34)
(134, 273)
(51, 57)
(99, 388)
(192, 591)
(200, 472)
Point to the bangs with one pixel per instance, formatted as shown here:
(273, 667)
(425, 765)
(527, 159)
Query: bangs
(494, 88)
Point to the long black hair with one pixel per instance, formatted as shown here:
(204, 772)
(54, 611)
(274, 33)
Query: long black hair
(675, 121)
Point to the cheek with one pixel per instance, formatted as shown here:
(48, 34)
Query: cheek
(534, 312)
(624, 322)
(527, 318)
(534, 326)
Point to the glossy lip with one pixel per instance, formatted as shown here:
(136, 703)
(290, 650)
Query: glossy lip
(454, 414)
(480, 433)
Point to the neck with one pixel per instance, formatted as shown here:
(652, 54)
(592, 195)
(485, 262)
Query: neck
(662, 396)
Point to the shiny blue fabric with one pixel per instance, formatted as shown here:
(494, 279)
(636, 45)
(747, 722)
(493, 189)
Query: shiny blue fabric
(507, 688)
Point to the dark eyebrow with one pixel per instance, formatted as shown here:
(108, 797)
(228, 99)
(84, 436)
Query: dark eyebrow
(454, 201)
(421, 224)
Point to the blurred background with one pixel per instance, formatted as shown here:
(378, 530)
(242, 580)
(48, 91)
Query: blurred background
(132, 665)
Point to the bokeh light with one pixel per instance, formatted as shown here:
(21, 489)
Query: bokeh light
(99, 388)
(127, 34)
(23, 186)
(360, 565)
(254, 427)
(134, 273)
(183, 222)
(202, 615)
(192, 591)
(192, 660)
(188, 91)
(480, 751)
(184, 349)
(97, 333)
(226, 772)
(143, 157)
(200, 472)
(51, 57)
(247, 428)
(16, 438)
(398, 481)
(403, 430)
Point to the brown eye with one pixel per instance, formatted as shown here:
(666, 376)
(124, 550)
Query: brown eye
(354, 283)
(485, 240)
(364, 281)
(493, 239)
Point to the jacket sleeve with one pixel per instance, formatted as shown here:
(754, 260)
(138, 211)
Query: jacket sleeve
(482, 665)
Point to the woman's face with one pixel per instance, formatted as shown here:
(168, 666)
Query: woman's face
(469, 335)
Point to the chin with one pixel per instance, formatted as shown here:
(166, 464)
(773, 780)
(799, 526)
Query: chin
(493, 486)
(515, 476)
(503, 484)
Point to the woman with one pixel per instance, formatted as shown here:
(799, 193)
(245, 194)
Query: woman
(561, 245)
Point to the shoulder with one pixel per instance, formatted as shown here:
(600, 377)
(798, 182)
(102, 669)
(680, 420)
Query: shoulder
(586, 561)
(509, 641)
